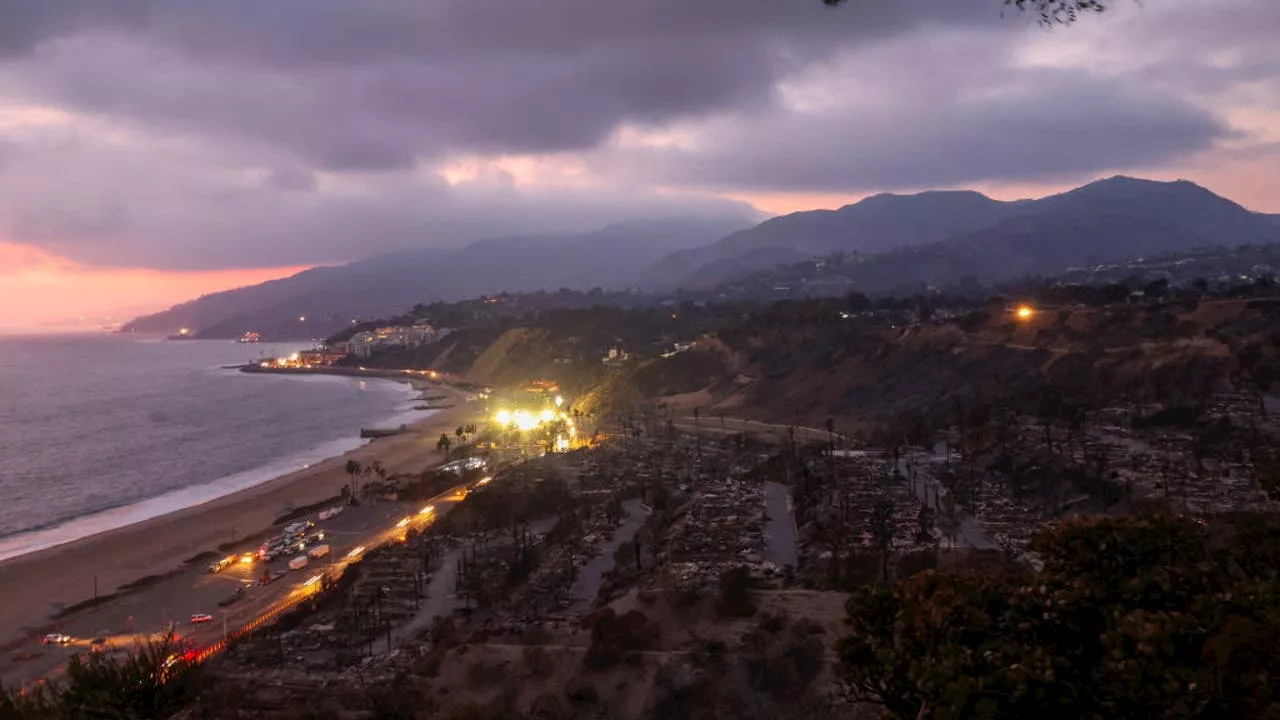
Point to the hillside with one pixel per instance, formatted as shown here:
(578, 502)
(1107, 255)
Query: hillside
(329, 298)
(873, 225)
(1105, 221)
(800, 362)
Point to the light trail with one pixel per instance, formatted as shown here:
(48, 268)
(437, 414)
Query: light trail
(314, 585)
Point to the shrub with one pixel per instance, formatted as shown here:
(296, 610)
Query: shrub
(546, 707)
(484, 672)
(773, 622)
(538, 661)
(1129, 617)
(536, 636)
(735, 598)
(136, 685)
(613, 636)
(581, 691)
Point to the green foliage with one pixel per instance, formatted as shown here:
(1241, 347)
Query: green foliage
(141, 684)
(1137, 617)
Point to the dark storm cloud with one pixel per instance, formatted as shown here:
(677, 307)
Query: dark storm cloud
(367, 85)
(209, 133)
(1043, 125)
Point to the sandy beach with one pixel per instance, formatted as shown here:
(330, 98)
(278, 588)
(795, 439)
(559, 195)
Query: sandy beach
(34, 586)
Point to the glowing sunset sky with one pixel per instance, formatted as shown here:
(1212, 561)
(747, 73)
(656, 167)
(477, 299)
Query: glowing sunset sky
(39, 290)
(151, 151)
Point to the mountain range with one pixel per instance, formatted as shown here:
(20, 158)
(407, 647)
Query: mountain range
(319, 301)
(934, 237)
(939, 237)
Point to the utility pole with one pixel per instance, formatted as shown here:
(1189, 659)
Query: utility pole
(95, 591)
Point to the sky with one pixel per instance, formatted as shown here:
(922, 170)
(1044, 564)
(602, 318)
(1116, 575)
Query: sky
(155, 150)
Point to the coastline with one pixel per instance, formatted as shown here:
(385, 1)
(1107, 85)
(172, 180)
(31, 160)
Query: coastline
(39, 582)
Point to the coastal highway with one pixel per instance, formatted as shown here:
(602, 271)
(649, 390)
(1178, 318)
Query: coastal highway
(146, 613)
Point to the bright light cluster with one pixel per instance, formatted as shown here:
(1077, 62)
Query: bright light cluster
(525, 420)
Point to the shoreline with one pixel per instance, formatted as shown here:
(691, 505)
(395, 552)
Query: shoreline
(38, 539)
(38, 583)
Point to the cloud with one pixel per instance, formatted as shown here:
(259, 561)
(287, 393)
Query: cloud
(193, 134)
(103, 193)
(872, 122)
(291, 178)
(383, 84)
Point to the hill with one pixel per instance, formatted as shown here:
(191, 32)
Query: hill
(1105, 221)
(873, 225)
(330, 297)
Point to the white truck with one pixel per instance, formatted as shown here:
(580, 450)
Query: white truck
(319, 551)
(298, 563)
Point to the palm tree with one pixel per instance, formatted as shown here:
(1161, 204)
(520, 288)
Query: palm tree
(353, 469)
(443, 445)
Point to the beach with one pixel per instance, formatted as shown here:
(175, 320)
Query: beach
(36, 585)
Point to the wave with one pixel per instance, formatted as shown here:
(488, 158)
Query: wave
(60, 533)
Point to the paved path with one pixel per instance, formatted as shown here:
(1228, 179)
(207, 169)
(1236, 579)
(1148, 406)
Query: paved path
(591, 575)
(780, 526)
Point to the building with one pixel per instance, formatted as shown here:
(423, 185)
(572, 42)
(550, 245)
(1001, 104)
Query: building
(367, 343)
(319, 357)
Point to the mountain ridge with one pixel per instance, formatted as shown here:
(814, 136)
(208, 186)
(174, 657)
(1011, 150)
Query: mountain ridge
(1103, 221)
(934, 237)
(330, 297)
(877, 223)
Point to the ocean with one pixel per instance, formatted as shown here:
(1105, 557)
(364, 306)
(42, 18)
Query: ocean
(101, 431)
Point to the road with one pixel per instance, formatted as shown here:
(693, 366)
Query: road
(146, 613)
(591, 575)
(781, 543)
(969, 533)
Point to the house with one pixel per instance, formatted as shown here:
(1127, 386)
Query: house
(367, 343)
(319, 357)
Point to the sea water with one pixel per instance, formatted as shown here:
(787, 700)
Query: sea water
(101, 431)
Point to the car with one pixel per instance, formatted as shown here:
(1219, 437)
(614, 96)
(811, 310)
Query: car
(200, 618)
(55, 639)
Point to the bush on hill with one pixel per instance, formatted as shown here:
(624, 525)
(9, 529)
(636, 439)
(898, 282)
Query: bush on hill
(1131, 617)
